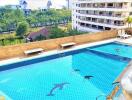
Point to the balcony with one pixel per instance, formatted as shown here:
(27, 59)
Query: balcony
(102, 5)
(103, 21)
(95, 28)
(102, 13)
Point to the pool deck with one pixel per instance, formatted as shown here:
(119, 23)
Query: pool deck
(47, 53)
(127, 96)
(57, 51)
(124, 96)
(126, 41)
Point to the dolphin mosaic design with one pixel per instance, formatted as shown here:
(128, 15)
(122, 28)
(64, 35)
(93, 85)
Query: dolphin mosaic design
(57, 86)
(77, 70)
(88, 77)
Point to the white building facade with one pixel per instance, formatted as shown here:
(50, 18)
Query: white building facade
(99, 15)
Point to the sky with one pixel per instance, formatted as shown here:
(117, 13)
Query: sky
(35, 3)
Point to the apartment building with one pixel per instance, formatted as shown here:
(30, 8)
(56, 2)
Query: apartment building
(99, 15)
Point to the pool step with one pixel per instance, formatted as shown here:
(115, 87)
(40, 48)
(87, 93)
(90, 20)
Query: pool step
(111, 56)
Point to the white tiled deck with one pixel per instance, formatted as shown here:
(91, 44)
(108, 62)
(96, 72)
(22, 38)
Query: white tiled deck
(126, 95)
(127, 41)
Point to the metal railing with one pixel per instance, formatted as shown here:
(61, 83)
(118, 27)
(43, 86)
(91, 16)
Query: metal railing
(102, 95)
(115, 93)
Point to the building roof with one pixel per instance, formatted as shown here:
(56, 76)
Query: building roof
(43, 32)
(24, 2)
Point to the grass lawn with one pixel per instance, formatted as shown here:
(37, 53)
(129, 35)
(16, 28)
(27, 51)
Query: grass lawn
(9, 37)
(11, 42)
(12, 35)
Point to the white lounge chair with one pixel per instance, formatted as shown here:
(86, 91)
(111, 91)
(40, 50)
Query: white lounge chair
(66, 45)
(122, 34)
(125, 34)
(33, 51)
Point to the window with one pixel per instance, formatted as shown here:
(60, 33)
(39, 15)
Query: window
(100, 27)
(130, 13)
(107, 28)
(119, 5)
(102, 5)
(110, 5)
(110, 13)
(94, 19)
(101, 13)
(82, 24)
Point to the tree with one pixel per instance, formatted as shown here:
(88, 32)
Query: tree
(69, 27)
(3, 26)
(1, 30)
(129, 21)
(9, 18)
(22, 29)
(30, 19)
(57, 32)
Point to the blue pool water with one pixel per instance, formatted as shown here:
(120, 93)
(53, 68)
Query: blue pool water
(55, 78)
(115, 48)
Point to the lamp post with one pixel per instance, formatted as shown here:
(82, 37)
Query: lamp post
(68, 4)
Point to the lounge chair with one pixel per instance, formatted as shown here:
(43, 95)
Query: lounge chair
(123, 35)
(33, 51)
(67, 45)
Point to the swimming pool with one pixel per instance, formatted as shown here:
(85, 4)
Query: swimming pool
(61, 76)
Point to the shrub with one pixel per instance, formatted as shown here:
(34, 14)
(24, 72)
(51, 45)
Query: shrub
(57, 33)
(22, 29)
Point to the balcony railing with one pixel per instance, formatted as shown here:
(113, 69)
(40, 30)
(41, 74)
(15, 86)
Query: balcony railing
(91, 27)
(117, 7)
(104, 22)
(104, 14)
(102, 5)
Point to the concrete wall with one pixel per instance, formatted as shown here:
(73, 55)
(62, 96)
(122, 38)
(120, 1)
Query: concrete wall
(17, 50)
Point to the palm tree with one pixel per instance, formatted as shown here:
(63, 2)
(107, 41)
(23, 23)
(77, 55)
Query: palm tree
(129, 21)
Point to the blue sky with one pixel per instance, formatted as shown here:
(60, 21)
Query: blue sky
(35, 3)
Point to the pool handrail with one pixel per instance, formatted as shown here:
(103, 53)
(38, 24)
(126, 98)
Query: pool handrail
(114, 92)
(100, 96)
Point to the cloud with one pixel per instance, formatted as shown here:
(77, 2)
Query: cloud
(42, 3)
(8, 2)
